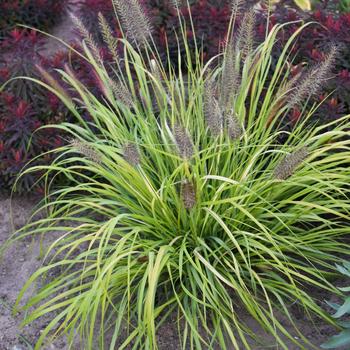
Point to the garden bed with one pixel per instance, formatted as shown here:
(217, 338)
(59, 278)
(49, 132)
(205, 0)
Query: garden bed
(108, 226)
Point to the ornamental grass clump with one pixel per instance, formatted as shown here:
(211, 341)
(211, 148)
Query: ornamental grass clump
(185, 202)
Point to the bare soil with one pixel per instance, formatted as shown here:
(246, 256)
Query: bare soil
(24, 257)
(17, 264)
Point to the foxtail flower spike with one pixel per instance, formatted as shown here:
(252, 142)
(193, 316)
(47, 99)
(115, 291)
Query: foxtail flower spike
(246, 34)
(87, 150)
(234, 127)
(87, 36)
(188, 194)
(131, 154)
(313, 79)
(230, 77)
(121, 93)
(183, 142)
(212, 111)
(290, 163)
(236, 6)
(108, 37)
(135, 23)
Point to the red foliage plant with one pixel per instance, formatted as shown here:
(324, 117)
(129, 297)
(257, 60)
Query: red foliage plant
(40, 14)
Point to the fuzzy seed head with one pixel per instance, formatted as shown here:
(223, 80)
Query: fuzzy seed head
(108, 37)
(131, 154)
(290, 163)
(246, 34)
(121, 93)
(183, 142)
(87, 150)
(134, 21)
(313, 79)
(188, 194)
(212, 111)
(230, 77)
(236, 7)
(234, 127)
(215, 119)
(87, 36)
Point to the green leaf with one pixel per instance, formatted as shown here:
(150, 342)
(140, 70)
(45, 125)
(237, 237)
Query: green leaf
(346, 264)
(305, 5)
(338, 340)
(334, 306)
(344, 5)
(344, 270)
(344, 309)
(344, 324)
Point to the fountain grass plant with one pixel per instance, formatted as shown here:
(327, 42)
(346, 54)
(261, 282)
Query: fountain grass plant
(182, 199)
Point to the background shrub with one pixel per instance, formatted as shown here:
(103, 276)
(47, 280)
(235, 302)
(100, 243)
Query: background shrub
(41, 14)
(25, 106)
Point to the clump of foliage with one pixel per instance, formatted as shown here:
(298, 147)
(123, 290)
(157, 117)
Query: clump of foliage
(343, 310)
(41, 14)
(20, 53)
(18, 122)
(25, 106)
(182, 199)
